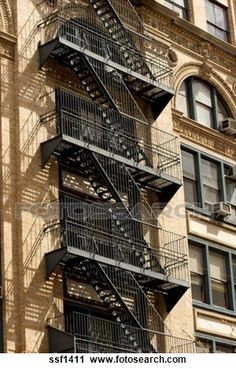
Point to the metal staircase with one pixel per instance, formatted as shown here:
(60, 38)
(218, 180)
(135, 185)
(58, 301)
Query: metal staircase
(115, 46)
(115, 180)
(124, 298)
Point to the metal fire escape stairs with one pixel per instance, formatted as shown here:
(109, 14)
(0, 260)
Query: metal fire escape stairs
(105, 86)
(115, 287)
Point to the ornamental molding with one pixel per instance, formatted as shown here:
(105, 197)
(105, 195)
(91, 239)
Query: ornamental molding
(188, 40)
(206, 137)
(7, 17)
(7, 46)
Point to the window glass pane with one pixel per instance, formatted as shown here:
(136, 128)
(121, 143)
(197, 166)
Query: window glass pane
(217, 20)
(219, 293)
(204, 115)
(230, 191)
(234, 269)
(197, 287)
(210, 10)
(210, 173)
(202, 93)
(218, 266)
(188, 161)
(195, 259)
(179, 2)
(182, 101)
(203, 346)
(222, 112)
(222, 35)
(232, 217)
(218, 272)
(211, 29)
(190, 191)
(210, 195)
(220, 17)
(223, 348)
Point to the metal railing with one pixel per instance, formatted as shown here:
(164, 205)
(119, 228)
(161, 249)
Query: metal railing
(115, 133)
(133, 57)
(97, 230)
(92, 334)
(127, 14)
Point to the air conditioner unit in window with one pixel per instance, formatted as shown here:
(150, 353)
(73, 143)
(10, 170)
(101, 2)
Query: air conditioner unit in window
(222, 209)
(228, 126)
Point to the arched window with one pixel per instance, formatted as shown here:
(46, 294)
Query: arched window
(201, 102)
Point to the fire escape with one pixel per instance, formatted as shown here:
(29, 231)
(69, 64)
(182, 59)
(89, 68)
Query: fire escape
(107, 139)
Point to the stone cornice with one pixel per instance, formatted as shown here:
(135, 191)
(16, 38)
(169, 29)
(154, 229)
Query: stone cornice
(185, 35)
(205, 137)
(7, 45)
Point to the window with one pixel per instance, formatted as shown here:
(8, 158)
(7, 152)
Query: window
(218, 276)
(217, 24)
(210, 181)
(213, 280)
(197, 274)
(179, 6)
(215, 345)
(190, 180)
(234, 275)
(206, 182)
(231, 195)
(201, 102)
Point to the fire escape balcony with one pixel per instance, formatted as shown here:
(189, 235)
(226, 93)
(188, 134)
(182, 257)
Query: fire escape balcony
(151, 154)
(77, 332)
(90, 231)
(145, 72)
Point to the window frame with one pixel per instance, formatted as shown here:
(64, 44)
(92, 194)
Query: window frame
(184, 8)
(222, 165)
(229, 254)
(215, 25)
(213, 340)
(191, 102)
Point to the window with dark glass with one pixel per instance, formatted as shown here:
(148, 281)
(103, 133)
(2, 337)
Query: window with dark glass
(190, 177)
(231, 195)
(215, 345)
(207, 181)
(217, 23)
(219, 279)
(203, 346)
(234, 277)
(179, 6)
(210, 181)
(201, 102)
(197, 272)
(213, 275)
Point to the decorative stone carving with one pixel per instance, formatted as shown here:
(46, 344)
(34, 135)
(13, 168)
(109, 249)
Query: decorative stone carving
(206, 70)
(234, 87)
(7, 49)
(173, 59)
(198, 134)
(7, 17)
(187, 40)
(205, 49)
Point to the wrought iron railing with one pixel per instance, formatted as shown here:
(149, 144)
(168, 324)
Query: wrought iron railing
(134, 58)
(127, 14)
(116, 134)
(94, 229)
(92, 334)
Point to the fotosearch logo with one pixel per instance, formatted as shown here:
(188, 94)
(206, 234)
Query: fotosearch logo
(83, 210)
